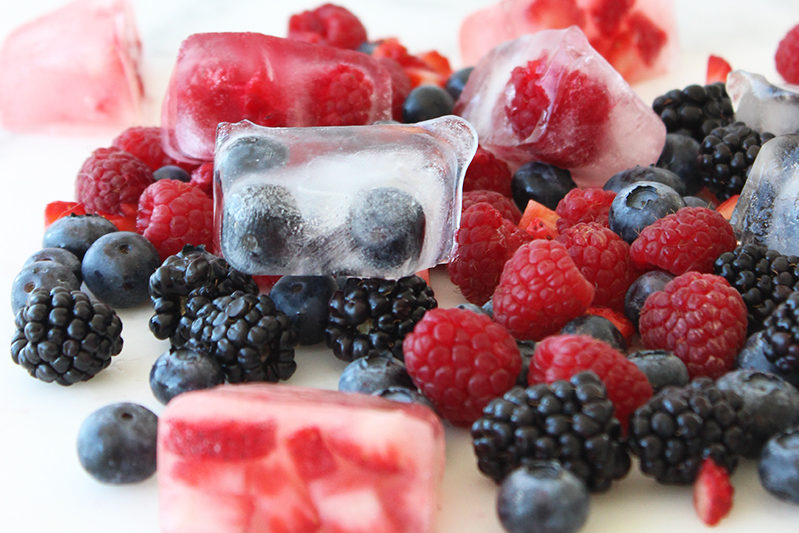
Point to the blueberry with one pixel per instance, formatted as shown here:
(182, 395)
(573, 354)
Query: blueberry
(542, 497)
(426, 102)
(404, 395)
(640, 289)
(771, 404)
(778, 467)
(457, 81)
(59, 255)
(540, 182)
(488, 307)
(679, 156)
(374, 372)
(172, 172)
(367, 47)
(387, 226)
(304, 299)
(250, 154)
(118, 266)
(661, 367)
(638, 205)
(180, 370)
(526, 350)
(116, 443)
(597, 327)
(40, 275)
(473, 308)
(753, 357)
(76, 233)
(637, 174)
(695, 201)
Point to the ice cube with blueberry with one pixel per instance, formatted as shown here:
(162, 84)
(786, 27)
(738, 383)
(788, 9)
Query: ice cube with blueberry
(763, 105)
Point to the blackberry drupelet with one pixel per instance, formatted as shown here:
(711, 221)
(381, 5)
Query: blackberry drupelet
(369, 316)
(679, 427)
(569, 421)
(726, 155)
(63, 336)
(765, 278)
(192, 272)
(247, 335)
(781, 335)
(695, 110)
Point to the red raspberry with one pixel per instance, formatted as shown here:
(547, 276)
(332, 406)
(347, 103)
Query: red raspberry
(110, 178)
(699, 317)
(461, 360)
(400, 86)
(540, 290)
(712, 493)
(584, 205)
(787, 56)
(530, 100)
(202, 177)
(172, 214)
(562, 356)
(690, 239)
(484, 241)
(145, 143)
(342, 97)
(498, 201)
(486, 172)
(603, 259)
(328, 24)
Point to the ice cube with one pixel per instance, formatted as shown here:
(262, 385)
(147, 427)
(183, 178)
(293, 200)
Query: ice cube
(72, 70)
(637, 37)
(550, 97)
(371, 201)
(255, 458)
(767, 211)
(229, 77)
(763, 105)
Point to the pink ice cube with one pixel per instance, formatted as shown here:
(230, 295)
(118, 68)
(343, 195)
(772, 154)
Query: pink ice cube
(283, 459)
(74, 69)
(637, 37)
(551, 97)
(229, 77)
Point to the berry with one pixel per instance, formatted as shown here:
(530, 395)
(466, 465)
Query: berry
(679, 156)
(76, 233)
(695, 110)
(695, 201)
(305, 299)
(486, 172)
(639, 291)
(700, 318)
(639, 205)
(57, 255)
(404, 395)
(661, 367)
(545, 494)
(778, 467)
(460, 360)
(597, 327)
(341, 96)
(690, 239)
(541, 182)
(540, 290)
(40, 275)
(781, 335)
(717, 69)
(786, 56)
(539, 221)
(570, 422)
(248, 154)
(173, 214)
(373, 373)
(58, 209)
(619, 321)
(117, 268)
(111, 180)
(584, 205)
(636, 174)
(498, 201)
(400, 86)
(752, 357)
(117, 443)
(179, 370)
(483, 243)
(202, 177)
(426, 102)
(145, 144)
(457, 81)
(712, 493)
(328, 24)
(62, 336)
(171, 172)
(372, 316)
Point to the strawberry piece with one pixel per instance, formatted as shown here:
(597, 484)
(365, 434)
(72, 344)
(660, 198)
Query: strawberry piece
(55, 210)
(728, 206)
(712, 493)
(312, 458)
(555, 13)
(717, 69)
(619, 320)
(536, 214)
(228, 440)
(648, 37)
(609, 14)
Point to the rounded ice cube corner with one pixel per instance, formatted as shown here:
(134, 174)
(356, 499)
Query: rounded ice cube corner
(382, 200)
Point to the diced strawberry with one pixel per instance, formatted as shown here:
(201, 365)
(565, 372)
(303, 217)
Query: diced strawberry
(425, 275)
(712, 493)
(717, 69)
(55, 210)
(437, 62)
(385, 461)
(556, 13)
(393, 49)
(608, 14)
(728, 206)
(226, 440)
(312, 458)
(619, 320)
(536, 214)
(649, 37)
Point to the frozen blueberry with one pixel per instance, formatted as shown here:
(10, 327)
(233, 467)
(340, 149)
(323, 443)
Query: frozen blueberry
(473, 308)
(661, 367)
(180, 370)
(171, 172)
(40, 275)
(695, 201)
(753, 357)
(116, 443)
(374, 372)
(426, 102)
(59, 255)
(250, 154)
(117, 268)
(404, 395)
(778, 467)
(542, 497)
(597, 327)
(457, 81)
(387, 226)
(679, 156)
(76, 232)
(638, 205)
(526, 350)
(540, 182)
(304, 299)
(637, 174)
(640, 289)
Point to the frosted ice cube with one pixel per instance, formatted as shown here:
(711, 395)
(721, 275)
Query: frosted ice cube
(763, 105)
(372, 201)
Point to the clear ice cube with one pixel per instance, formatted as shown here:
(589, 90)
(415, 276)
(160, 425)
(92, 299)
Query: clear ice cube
(763, 105)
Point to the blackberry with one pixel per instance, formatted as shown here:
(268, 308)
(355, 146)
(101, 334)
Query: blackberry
(369, 316)
(63, 336)
(765, 278)
(191, 273)
(568, 421)
(695, 110)
(781, 335)
(247, 335)
(680, 427)
(726, 155)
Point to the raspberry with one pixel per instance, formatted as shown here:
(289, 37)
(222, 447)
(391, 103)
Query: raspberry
(461, 360)
(530, 100)
(110, 178)
(484, 241)
(172, 214)
(787, 56)
(342, 97)
(202, 177)
(540, 290)
(328, 24)
(501, 203)
(562, 356)
(584, 205)
(400, 86)
(144, 142)
(699, 317)
(690, 239)
(603, 259)
(486, 172)
(712, 493)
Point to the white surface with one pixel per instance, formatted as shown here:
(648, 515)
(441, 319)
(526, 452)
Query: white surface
(43, 488)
